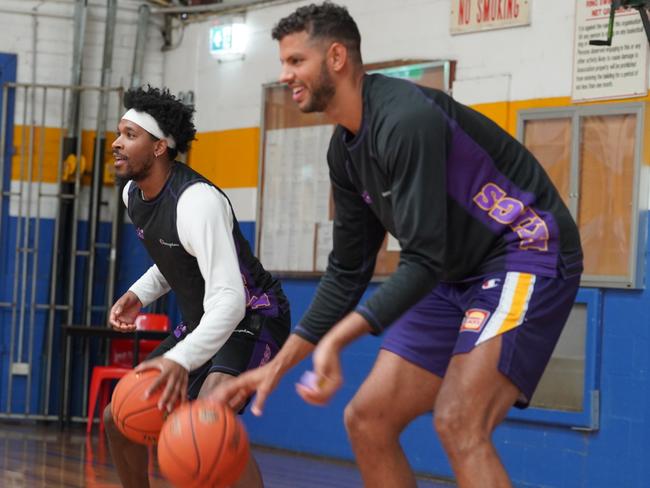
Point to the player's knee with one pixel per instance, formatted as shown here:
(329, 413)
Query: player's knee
(368, 423)
(357, 418)
(447, 424)
(458, 427)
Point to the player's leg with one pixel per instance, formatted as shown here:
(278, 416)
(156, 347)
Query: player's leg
(504, 344)
(473, 400)
(394, 393)
(402, 385)
(130, 458)
(255, 342)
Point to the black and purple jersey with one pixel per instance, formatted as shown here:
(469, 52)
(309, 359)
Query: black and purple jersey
(461, 195)
(157, 217)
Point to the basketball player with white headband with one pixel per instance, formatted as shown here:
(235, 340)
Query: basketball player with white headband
(235, 315)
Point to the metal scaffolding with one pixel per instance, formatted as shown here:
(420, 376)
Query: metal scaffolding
(31, 201)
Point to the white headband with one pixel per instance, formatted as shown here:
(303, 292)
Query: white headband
(148, 123)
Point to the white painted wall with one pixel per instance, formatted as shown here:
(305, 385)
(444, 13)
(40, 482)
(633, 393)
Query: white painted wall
(52, 23)
(520, 63)
(509, 64)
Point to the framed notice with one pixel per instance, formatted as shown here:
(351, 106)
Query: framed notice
(479, 15)
(294, 223)
(608, 72)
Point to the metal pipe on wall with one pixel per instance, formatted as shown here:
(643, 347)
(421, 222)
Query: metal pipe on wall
(98, 178)
(144, 17)
(80, 18)
(224, 6)
(52, 305)
(3, 146)
(66, 246)
(73, 251)
(98, 163)
(35, 253)
(29, 250)
(116, 230)
(18, 254)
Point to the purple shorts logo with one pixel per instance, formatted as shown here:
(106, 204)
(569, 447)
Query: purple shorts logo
(366, 197)
(139, 232)
(253, 301)
(180, 330)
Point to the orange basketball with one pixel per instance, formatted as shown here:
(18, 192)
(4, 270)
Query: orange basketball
(203, 444)
(137, 417)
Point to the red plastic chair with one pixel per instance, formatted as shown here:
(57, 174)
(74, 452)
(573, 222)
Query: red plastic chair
(120, 363)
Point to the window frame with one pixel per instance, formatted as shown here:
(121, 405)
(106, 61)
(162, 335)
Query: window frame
(589, 418)
(634, 277)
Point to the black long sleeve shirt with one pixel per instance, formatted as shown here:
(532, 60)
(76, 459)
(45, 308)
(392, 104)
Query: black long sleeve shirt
(461, 195)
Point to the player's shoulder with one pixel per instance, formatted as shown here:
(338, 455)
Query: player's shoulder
(201, 194)
(392, 102)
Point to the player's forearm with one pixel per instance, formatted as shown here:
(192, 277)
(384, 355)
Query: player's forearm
(294, 350)
(350, 328)
(150, 286)
(224, 312)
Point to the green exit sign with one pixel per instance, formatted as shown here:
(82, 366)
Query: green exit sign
(228, 41)
(221, 39)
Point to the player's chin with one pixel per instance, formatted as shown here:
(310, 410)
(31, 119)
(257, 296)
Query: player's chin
(123, 171)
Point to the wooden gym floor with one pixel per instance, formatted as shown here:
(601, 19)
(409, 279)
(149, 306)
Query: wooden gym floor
(40, 455)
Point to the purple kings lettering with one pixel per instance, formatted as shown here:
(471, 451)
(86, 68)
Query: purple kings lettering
(530, 227)
(532, 231)
(506, 210)
(489, 196)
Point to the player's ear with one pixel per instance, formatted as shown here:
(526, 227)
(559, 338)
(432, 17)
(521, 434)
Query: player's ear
(160, 147)
(337, 56)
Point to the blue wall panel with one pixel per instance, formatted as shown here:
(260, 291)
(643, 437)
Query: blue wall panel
(536, 455)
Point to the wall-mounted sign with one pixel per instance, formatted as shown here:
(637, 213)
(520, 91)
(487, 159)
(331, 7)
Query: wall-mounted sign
(479, 15)
(606, 72)
(228, 41)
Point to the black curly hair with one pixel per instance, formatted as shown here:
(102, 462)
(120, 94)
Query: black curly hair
(172, 115)
(325, 21)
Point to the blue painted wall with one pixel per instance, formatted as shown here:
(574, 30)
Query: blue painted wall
(535, 455)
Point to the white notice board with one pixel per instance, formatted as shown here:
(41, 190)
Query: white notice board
(608, 72)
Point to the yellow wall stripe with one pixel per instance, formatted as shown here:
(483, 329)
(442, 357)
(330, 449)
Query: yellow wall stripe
(230, 158)
(227, 158)
(46, 152)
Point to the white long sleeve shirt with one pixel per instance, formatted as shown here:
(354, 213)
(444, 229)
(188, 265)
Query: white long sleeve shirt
(204, 224)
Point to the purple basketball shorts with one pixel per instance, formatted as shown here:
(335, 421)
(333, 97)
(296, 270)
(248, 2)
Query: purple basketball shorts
(528, 311)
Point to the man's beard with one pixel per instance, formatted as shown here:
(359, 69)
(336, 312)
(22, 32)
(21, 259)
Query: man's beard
(138, 174)
(322, 93)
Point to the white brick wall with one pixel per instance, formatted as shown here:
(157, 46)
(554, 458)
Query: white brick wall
(521, 63)
(54, 48)
(509, 64)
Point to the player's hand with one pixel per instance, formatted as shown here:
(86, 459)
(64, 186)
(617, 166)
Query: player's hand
(175, 378)
(319, 388)
(261, 381)
(124, 311)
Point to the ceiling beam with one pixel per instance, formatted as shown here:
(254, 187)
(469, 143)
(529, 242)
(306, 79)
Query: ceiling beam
(212, 7)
